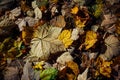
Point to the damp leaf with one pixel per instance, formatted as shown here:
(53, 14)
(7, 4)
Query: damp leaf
(65, 37)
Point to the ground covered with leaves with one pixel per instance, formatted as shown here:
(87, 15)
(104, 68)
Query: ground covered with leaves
(60, 40)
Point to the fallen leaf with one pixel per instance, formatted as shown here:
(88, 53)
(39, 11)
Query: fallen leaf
(65, 37)
(65, 57)
(49, 74)
(39, 65)
(90, 40)
(72, 65)
(45, 42)
(79, 23)
(113, 47)
(58, 21)
(103, 67)
(38, 13)
(74, 10)
(83, 76)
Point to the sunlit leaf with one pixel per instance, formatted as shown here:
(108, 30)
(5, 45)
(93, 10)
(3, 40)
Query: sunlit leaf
(90, 40)
(65, 37)
(74, 10)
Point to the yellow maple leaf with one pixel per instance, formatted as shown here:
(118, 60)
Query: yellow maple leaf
(74, 10)
(65, 37)
(90, 40)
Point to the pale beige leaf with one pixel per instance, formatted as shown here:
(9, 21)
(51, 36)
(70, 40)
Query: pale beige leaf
(45, 42)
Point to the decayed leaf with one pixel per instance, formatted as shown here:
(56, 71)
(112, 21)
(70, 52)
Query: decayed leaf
(15, 13)
(74, 70)
(38, 13)
(79, 23)
(82, 17)
(113, 47)
(90, 40)
(27, 71)
(65, 37)
(45, 42)
(74, 10)
(48, 74)
(83, 76)
(27, 35)
(21, 23)
(65, 57)
(75, 34)
(109, 19)
(58, 21)
(72, 65)
(105, 68)
(11, 73)
(118, 28)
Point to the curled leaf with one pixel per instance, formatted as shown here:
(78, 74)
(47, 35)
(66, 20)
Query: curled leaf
(90, 40)
(58, 21)
(83, 76)
(65, 57)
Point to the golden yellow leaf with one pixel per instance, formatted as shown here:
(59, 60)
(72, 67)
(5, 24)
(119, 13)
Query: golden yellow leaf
(105, 68)
(74, 10)
(65, 37)
(79, 23)
(39, 65)
(90, 40)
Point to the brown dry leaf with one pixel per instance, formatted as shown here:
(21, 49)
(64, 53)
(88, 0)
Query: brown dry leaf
(58, 21)
(72, 65)
(27, 35)
(24, 7)
(118, 28)
(113, 47)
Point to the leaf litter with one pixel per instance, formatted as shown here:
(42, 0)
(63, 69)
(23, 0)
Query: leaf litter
(59, 40)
